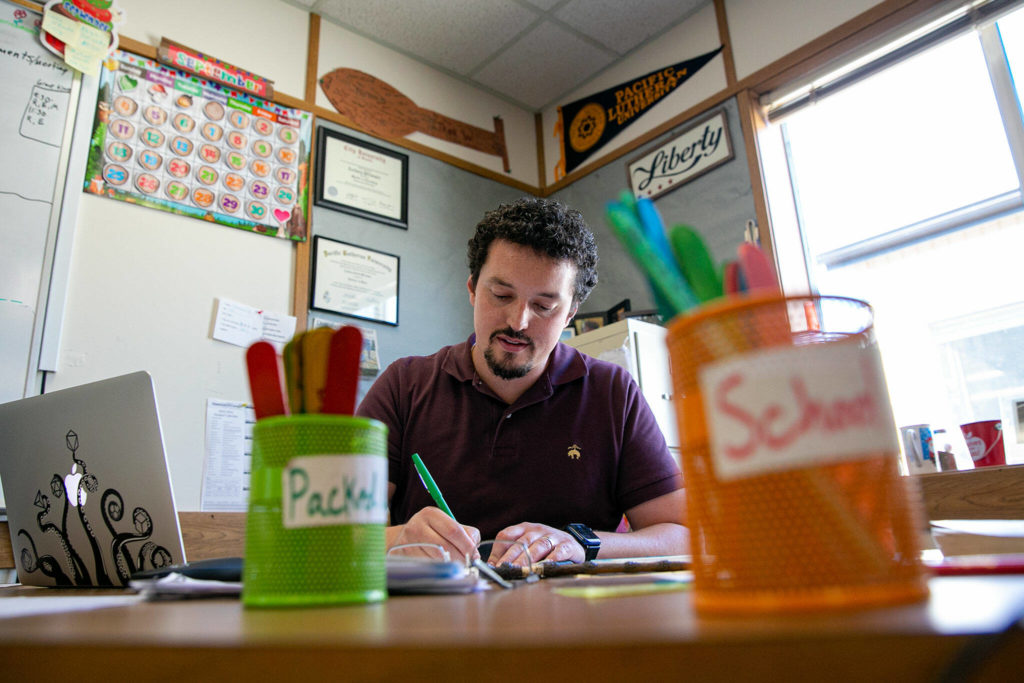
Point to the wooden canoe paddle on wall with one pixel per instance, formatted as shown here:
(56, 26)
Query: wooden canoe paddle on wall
(381, 110)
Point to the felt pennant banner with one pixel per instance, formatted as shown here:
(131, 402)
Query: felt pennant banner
(590, 122)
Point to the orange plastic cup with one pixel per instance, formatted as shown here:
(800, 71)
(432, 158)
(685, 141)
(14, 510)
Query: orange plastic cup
(796, 503)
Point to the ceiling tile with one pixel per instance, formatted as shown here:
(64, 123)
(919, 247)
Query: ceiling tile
(457, 35)
(541, 65)
(623, 24)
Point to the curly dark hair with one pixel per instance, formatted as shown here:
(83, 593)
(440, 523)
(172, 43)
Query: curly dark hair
(546, 226)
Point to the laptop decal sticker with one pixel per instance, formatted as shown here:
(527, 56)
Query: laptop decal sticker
(123, 544)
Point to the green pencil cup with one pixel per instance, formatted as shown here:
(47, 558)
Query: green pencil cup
(314, 534)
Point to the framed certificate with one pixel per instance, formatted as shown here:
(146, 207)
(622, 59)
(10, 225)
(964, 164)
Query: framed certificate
(355, 281)
(361, 178)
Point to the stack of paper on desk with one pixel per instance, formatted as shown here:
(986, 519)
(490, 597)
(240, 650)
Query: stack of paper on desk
(176, 585)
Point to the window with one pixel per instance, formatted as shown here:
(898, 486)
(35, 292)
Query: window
(903, 188)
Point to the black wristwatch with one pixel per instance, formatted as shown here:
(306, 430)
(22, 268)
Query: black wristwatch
(586, 537)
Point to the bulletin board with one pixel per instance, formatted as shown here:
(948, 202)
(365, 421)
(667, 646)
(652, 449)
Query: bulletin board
(175, 142)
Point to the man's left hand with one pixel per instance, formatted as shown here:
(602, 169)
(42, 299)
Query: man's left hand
(544, 543)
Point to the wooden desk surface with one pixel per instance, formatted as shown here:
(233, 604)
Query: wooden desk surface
(526, 634)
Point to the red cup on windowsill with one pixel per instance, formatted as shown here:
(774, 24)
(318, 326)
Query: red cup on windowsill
(985, 442)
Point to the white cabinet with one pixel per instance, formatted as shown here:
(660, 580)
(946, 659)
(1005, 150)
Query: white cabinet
(640, 348)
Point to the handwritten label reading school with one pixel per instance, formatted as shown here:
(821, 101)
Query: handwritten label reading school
(328, 490)
(796, 407)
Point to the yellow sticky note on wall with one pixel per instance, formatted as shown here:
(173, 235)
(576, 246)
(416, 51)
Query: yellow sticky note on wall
(84, 46)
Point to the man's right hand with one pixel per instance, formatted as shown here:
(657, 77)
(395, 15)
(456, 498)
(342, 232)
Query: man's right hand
(431, 525)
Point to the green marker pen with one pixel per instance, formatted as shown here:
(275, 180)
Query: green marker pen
(428, 481)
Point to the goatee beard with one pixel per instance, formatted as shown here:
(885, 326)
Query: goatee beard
(503, 369)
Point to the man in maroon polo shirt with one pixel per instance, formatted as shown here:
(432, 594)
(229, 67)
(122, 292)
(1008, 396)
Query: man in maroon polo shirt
(528, 439)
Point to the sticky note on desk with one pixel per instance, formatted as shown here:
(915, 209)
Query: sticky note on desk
(622, 590)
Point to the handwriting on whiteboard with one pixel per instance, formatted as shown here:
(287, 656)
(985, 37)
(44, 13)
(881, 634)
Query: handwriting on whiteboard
(45, 113)
(795, 407)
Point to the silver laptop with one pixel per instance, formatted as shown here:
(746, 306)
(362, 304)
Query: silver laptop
(88, 494)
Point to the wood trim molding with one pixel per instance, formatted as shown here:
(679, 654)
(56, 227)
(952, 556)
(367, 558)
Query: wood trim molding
(752, 123)
(725, 37)
(312, 59)
(35, 7)
(300, 283)
(138, 47)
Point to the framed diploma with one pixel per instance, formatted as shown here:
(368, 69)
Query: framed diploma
(355, 281)
(362, 179)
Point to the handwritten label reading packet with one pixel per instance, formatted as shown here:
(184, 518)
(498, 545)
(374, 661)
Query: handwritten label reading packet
(328, 490)
(781, 409)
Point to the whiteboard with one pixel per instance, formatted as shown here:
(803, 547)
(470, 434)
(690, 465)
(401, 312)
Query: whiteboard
(37, 116)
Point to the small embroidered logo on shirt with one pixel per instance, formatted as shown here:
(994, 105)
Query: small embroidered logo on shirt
(574, 452)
